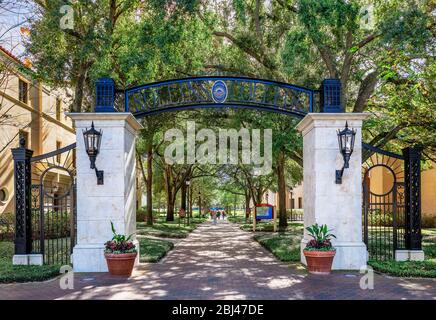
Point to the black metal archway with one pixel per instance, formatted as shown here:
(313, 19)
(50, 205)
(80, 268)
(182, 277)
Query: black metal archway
(218, 92)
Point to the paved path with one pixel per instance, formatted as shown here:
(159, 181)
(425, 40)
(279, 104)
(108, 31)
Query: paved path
(222, 262)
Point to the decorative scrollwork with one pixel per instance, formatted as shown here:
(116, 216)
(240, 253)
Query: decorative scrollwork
(20, 194)
(413, 197)
(201, 92)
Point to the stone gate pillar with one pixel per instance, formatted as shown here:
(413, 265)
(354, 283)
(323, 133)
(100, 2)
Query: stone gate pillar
(115, 200)
(325, 202)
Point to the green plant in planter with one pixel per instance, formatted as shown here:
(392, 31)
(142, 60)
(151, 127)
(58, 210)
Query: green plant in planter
(119, 243)
(321, 238)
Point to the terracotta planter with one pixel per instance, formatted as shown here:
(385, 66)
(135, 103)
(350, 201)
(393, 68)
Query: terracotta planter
(319, 262)
(120, 264)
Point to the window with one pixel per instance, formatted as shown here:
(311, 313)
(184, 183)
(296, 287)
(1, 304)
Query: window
(58, 156)
(292, 203)
(300, 202)
(23, 88)
(3, 195)
(58, 109)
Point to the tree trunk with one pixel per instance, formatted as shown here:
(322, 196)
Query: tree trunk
(170, 205)
(158, 203)
(149, 184)
(283, 222)
(183, 196)
(247, 205)
(190, 203)
(234, 206)
(169, 194)
(257, 196)
(78, 90)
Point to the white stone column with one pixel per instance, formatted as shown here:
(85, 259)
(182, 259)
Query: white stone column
(325, 202)
(115, 200)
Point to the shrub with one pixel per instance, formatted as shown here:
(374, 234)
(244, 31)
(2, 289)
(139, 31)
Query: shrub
(428, 221)
(376, 217)
(57, 224)
(7, 226)
(141, 215)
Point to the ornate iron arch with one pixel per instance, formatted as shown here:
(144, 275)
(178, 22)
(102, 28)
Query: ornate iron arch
(219, 92)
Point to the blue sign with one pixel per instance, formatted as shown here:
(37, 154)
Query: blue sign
(264, 212)
(216, 208)
(219, 91)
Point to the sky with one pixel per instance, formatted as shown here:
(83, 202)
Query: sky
(14, 14)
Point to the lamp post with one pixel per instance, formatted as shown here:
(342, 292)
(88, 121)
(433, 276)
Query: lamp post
(346, 139)
(199, 204)
(92, 139)
(187, 183)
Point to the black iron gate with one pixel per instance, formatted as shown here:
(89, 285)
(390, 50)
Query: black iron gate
(46, 204)
(387, 210)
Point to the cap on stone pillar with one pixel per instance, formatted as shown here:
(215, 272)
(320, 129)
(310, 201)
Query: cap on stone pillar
(105, 95)
(331, 96)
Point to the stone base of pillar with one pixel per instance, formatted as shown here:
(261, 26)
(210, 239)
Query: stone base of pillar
(349, 255)
(90, 258)
(406, 255)
(20, 260)
(34, 259)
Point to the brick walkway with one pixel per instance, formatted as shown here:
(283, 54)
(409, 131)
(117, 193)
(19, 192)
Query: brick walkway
(222, 262)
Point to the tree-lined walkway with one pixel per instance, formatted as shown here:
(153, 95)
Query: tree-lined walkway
(222, 262)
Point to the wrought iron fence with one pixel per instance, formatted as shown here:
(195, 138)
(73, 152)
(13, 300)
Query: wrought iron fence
(385, 210)
(53, 205)
(295, 214)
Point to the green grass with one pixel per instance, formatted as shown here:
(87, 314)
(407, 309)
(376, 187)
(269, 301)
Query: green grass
(264, 226)
(11, 273)
(152, 250)
(170, 229)
(284, 245)
(236, 219)
(426, 268)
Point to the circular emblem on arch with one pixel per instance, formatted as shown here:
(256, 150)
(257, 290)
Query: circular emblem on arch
(219, 91)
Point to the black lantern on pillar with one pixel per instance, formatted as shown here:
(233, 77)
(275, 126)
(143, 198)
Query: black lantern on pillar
(346, 145)
(92, 139)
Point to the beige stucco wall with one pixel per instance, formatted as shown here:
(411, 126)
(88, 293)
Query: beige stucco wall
(297, 193)
(381, 182)
(428, 190)
(37, 119)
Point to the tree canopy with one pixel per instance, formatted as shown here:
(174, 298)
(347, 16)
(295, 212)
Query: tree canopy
(381, 51)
